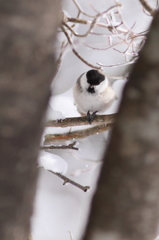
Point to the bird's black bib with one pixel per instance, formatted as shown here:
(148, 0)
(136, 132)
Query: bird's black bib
(91, 90)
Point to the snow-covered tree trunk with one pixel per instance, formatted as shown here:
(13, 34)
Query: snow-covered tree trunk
(26, 69)
(126, 203)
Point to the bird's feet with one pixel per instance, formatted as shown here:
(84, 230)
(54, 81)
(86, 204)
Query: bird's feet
(90, 117)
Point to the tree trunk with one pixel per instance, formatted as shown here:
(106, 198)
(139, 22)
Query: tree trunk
(126, 203)
(26, 70)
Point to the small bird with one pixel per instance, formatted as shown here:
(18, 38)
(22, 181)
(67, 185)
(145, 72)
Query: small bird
(93, 93)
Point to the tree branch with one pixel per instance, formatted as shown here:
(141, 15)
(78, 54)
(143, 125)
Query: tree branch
(75, 52)
(28, 32)
(80, 10)
(87, 22)
(92, 24)
(125, 205)
(146, 5)
(80, 121)
(50, 138)
(67, 180)
(70, 146)
(59, 60)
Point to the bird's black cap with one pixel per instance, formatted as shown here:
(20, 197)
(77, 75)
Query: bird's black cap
(94, 77)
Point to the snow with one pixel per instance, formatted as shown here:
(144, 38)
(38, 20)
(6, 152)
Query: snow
(50, 161)
(52, 114)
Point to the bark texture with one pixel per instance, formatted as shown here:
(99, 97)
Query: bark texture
(26, 70)
(126, 203)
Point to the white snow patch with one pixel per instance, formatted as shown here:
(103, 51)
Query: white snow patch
(52, 162)
(52, 114)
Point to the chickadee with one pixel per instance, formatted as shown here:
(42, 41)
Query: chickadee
(93, 93)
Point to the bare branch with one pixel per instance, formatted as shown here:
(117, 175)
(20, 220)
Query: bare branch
(80, 10)
(58, 62)
(146, 5)
(70, 234)
(102, 49)
(117, 34)
(67, 180)
(70, 146)
(89, 30)
(116, 25)
(119, 64)
(80, 121)
(77, 20)
(92, 24)
(119, 30)
(75, 52)
(87, 22)
(50, 138)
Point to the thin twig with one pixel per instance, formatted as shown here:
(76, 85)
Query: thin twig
(119, 64)
(80, 121)
(87, 22)
(59, 60)
(147, 13)
(111, 46)
(92, 24)
(80, 10)
(125, 33)
(70, 234)
(50, 138)
(89, 32)
(75, 52)
(70, 146)
(106, 35)
(67, 180)
(146, 5)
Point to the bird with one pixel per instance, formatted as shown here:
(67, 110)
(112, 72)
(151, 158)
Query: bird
(93, 94)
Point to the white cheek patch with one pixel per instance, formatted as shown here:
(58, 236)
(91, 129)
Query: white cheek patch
(83, 82)
(102, 86)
